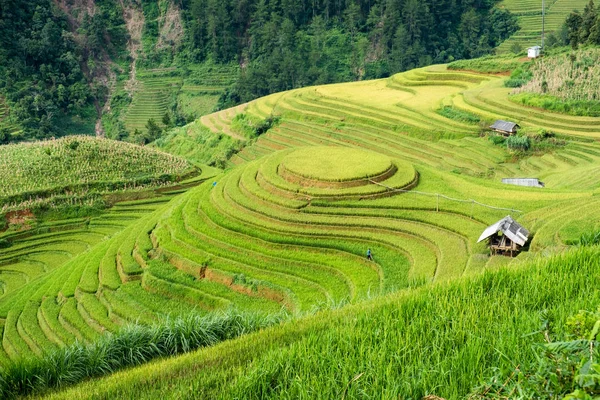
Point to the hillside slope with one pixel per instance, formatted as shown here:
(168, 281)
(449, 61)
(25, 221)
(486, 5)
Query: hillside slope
(107, 66)
(39, 170)
(443, 340)
(529, 14)
(397, 166)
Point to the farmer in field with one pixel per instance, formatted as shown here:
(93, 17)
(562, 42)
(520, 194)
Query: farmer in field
(369, 255)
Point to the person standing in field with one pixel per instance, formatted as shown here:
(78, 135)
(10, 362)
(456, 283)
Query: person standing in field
(369, 255)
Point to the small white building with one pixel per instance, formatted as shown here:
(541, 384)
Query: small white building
(534, 52)
(527, 182)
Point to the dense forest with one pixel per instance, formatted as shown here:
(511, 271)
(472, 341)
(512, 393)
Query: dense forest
(57, 56)
(285, 44)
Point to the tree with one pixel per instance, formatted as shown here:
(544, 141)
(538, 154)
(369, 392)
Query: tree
(469, 30)
(4, 135)
(166, 120)
(573, 23)
(401, 55)
(588, 20)
(594, 37)
(153, 130)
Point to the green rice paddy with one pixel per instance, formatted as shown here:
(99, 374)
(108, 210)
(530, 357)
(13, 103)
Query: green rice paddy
(529, 13)
(350, 167)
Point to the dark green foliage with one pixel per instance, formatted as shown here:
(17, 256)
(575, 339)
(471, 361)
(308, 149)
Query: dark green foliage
(166, 120)
(4, 135)
(153, 132)
(580, 29)
(497, 139)
(567, 366)
(459, 115)
(48, 74)
(295, 45)
(519, 76)
(266, 124)
(73, 145)
(574, 22)
(252, 127)
(133, 345)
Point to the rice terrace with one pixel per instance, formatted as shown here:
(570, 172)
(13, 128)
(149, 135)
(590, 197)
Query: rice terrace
(428, 231)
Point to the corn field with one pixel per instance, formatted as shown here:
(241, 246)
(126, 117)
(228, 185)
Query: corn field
(574, 76)
(75, 160)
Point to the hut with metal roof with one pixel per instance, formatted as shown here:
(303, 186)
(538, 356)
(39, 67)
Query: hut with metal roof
(505, 127)
(506, 237)
(527, 182)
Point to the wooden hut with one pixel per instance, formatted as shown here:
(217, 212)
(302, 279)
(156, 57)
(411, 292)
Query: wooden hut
(506, 128)
(506, 237)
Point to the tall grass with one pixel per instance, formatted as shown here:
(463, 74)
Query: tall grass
(133, 345)
(443, 340)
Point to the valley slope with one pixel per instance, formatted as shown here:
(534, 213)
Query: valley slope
(398, 166)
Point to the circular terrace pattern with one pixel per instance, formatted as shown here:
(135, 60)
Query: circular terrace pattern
(335, 164)
(334, 173)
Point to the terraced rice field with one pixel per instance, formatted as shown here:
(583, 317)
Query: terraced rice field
(210, 79)
(529, 13)
(33, 255)
(397, 117)
(159, 89)
(350, 167)
(153, 94)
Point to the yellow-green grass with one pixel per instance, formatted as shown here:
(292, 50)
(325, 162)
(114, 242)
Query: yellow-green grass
(335, 164)
(258, 240)
(81, 160)
(441, 340)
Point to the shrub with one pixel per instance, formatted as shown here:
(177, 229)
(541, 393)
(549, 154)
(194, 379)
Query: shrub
(252, 127)
(458, 115)
(519, 77)
(497, 139)
(521, 143)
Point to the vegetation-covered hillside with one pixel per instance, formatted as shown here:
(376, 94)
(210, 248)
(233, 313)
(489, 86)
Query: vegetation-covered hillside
(402, 166)
(66, 61)
(566, 83)
(78, 164)
(477, 338)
